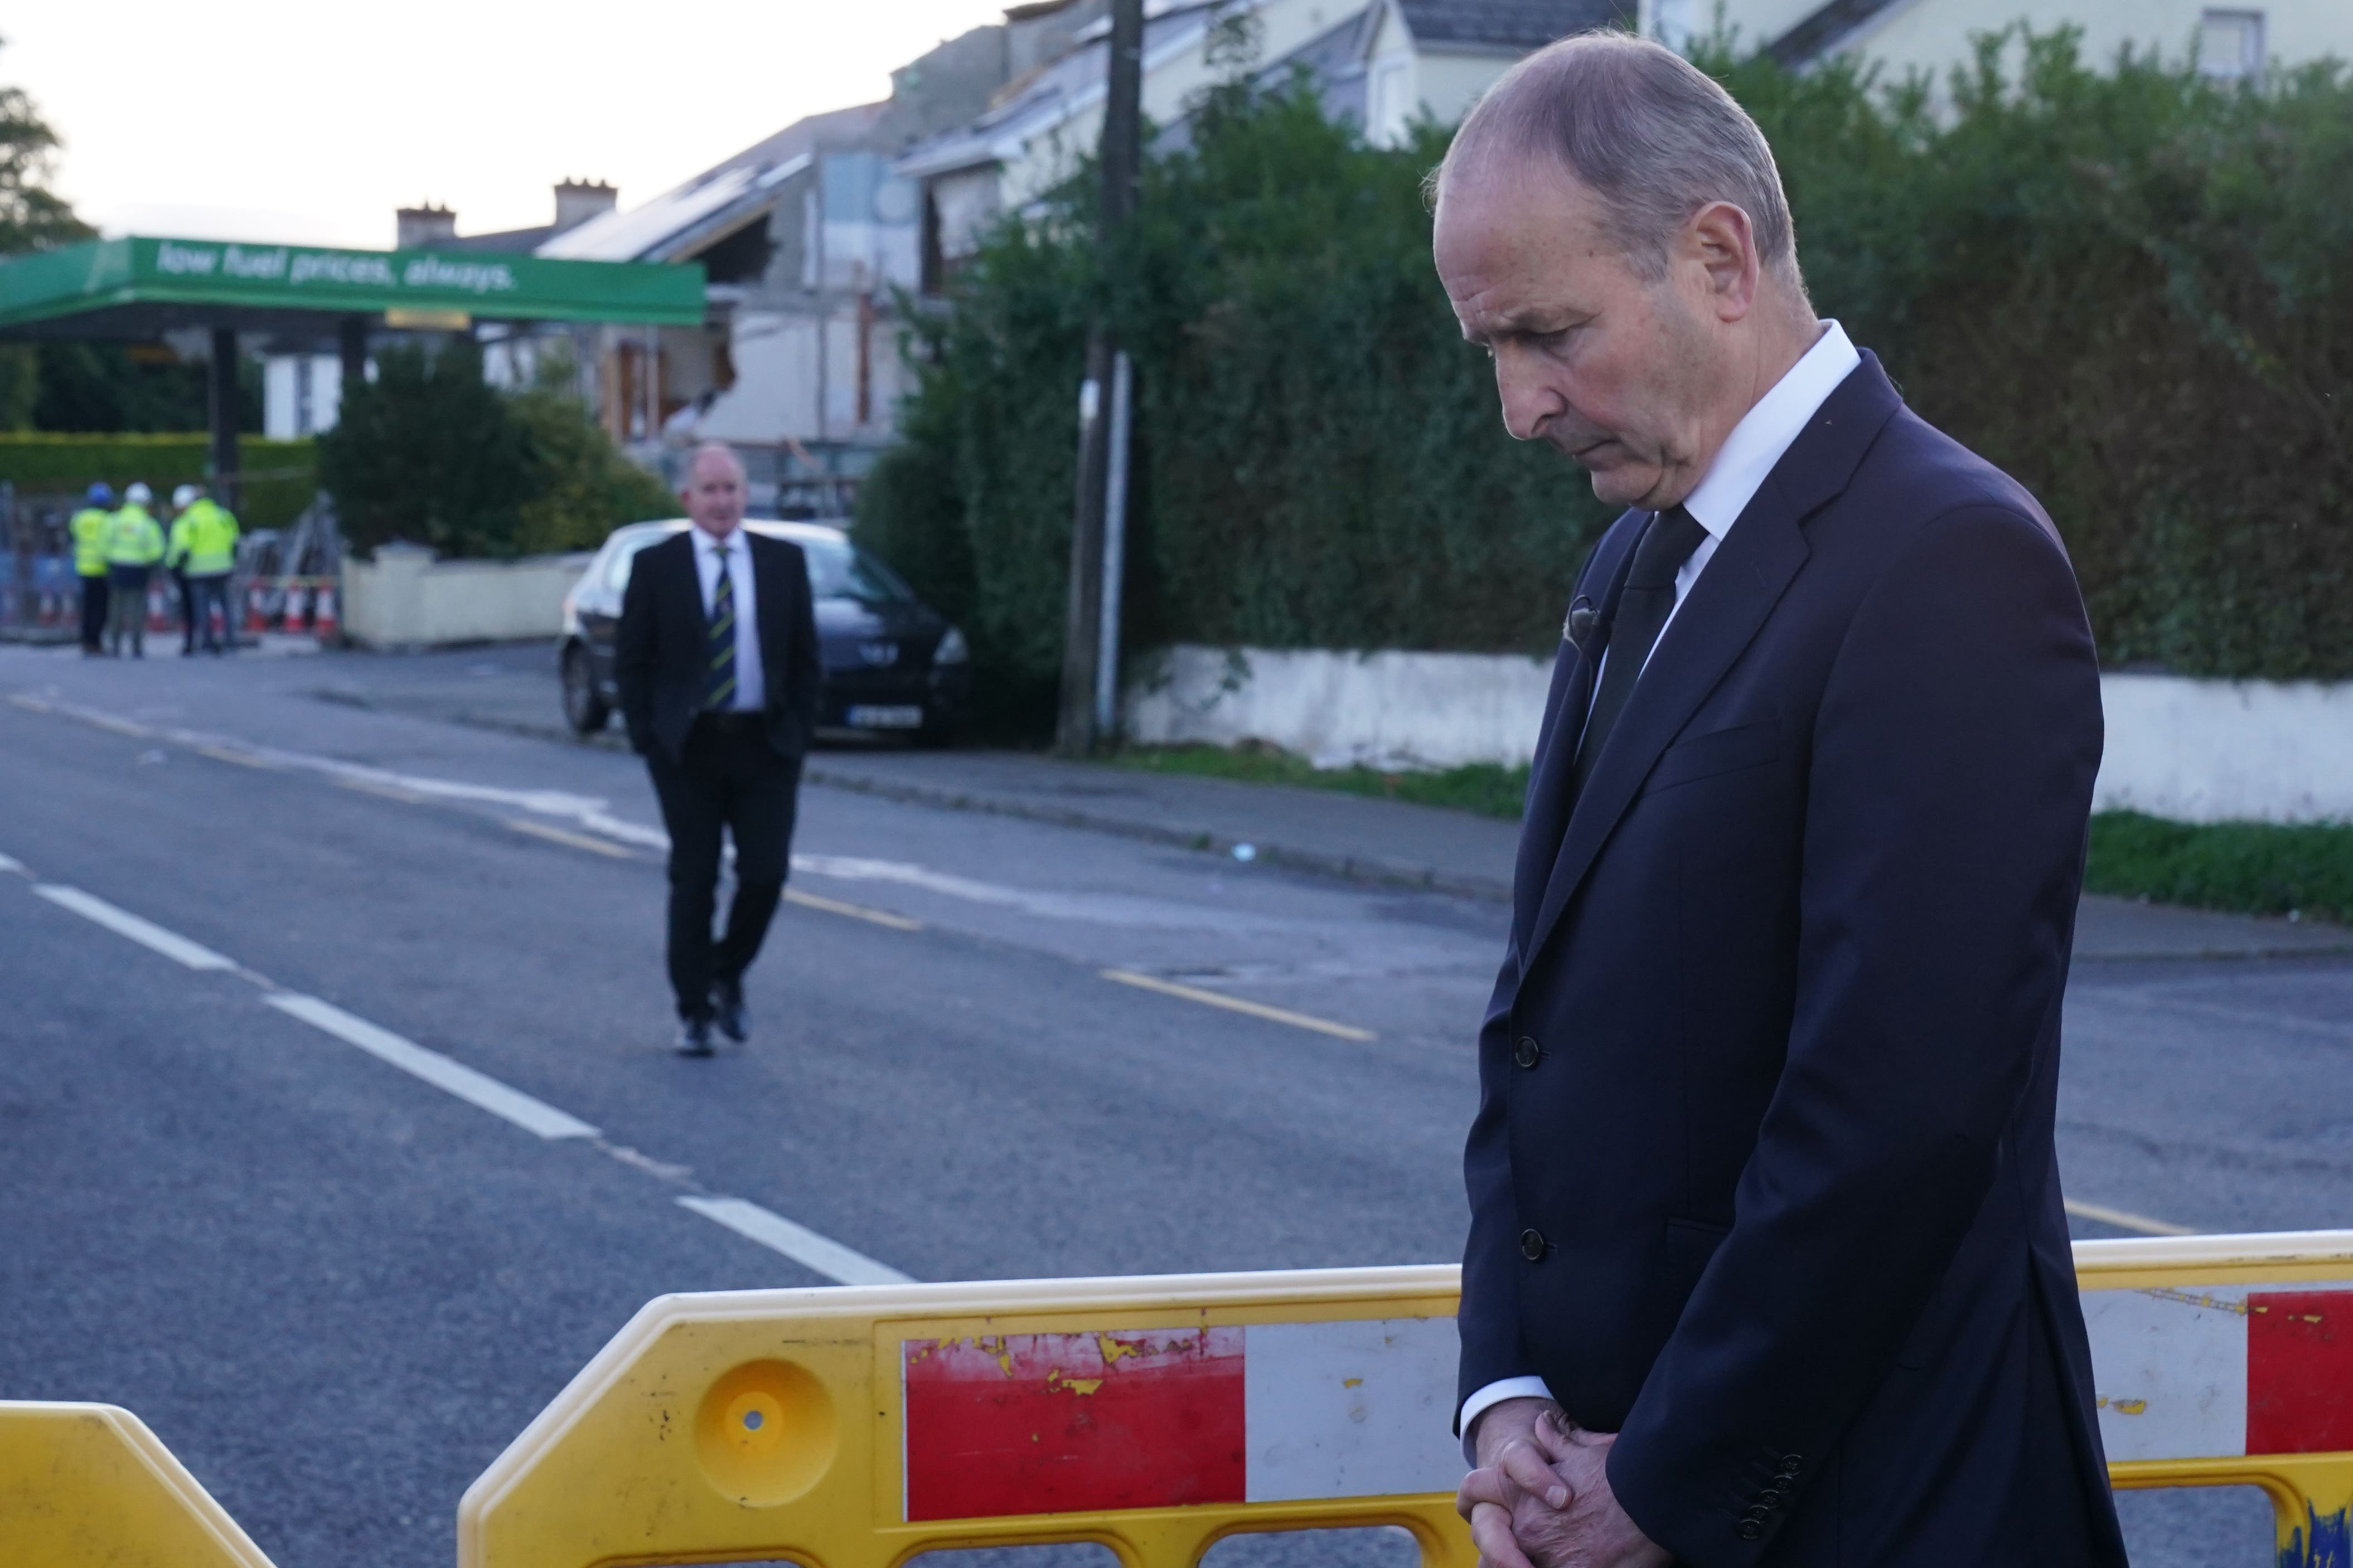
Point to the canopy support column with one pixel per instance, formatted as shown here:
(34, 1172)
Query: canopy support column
(221, 385)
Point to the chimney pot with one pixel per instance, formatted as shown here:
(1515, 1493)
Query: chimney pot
(415, 227)
(577, 201)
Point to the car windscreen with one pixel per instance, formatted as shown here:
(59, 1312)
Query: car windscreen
(842, 571)
(624, 555)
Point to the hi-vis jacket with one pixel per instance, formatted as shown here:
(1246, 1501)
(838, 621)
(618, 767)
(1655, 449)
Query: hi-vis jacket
(203, 539)
(133, 539)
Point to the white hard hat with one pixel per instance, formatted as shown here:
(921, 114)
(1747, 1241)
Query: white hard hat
(139, 495)
(182, 497)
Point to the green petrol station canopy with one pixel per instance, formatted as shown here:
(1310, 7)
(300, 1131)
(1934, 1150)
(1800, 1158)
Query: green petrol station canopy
(137, 289)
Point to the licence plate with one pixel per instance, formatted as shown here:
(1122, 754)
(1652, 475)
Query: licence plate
(868, 717)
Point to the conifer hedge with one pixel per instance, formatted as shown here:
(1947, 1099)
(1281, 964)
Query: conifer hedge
(2128, 285)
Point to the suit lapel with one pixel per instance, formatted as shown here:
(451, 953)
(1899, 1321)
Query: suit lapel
(1761, 553)
(1565, 705)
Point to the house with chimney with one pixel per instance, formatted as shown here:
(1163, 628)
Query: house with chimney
(302, 391)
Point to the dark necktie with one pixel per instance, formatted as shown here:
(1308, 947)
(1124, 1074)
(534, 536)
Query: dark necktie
(718, 692)
(1648, 599)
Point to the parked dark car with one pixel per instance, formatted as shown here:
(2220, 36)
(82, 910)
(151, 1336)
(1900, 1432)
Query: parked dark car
(893, 664)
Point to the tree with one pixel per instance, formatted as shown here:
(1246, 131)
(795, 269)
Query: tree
(32, 218)
(431, 452)
(428, 452)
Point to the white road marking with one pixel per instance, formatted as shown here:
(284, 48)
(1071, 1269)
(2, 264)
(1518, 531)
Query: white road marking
(820, 1254)
(146, 933)
(1091, 909)
(803, 1246)
(2125, 1219)
(479, 1089)
(1236, 1005)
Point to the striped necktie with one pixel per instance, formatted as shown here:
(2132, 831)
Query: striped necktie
(719, 687)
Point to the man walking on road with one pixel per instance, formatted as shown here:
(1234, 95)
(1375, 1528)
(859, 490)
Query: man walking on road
(89, 528)
(204, 549)
(1767, 1263)
(135, 543)
(717, 660)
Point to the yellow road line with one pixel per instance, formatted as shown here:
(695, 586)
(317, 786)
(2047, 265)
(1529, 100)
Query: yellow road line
(2125, 1219)
(388, 791)
(30, 704)
(576, 840)
(855, 911)
(1236, 1004)
(243, 760)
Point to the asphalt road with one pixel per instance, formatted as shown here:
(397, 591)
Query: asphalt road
(336, 1291)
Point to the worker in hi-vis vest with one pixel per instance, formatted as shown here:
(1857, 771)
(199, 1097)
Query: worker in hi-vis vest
(135, 543)
(204, 549)
(89, 528)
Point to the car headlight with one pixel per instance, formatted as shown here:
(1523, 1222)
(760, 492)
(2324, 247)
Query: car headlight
(952, 650)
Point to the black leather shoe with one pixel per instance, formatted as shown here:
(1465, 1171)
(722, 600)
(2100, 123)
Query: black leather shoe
(727, 1005)
(694, 1037)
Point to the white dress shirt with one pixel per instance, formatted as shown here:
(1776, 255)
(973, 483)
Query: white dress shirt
(1732, 481)
(751, 686)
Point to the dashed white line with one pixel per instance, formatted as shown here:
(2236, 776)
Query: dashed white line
(456, 1078)
(819, 1254)
(122, 922)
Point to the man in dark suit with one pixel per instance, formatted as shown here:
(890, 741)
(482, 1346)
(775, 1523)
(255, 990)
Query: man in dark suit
(717, 660)
(1766, 1261)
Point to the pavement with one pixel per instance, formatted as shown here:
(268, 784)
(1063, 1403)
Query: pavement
(1017, 1026)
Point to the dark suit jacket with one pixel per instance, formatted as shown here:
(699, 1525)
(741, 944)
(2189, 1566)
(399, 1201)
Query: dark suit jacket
(660, 658)
(1762, 1176)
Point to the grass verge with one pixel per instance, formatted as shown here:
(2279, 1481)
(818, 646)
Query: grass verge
(1487, 788)
(2252, 868)
(2256, 868)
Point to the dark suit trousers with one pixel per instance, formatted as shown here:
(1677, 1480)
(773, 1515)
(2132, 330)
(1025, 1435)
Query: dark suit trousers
(727, 777)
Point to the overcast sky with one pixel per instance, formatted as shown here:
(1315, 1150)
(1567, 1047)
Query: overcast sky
(308, 120)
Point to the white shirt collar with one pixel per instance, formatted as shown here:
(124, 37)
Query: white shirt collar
(1767, 430)
(732, 544)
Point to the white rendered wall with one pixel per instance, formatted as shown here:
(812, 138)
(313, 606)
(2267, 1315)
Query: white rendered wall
(1935, 34)
(406, 598)
(2198, 751)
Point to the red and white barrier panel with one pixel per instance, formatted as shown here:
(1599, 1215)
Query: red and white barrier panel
(2222, 1370)
(1126, 1419)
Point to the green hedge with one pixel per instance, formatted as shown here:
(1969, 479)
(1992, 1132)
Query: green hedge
(2127, 286)
(285, 472)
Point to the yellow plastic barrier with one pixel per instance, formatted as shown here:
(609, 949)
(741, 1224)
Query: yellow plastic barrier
(854, 1428)
(88, 1486)
(844, 1427)
(2228, 1360)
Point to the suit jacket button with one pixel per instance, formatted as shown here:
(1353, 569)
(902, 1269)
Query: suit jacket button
(1533, 1246)
(1527, 1052)
(1748, 1530)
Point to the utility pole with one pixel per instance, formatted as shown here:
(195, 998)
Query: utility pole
(1090, 633)
(220, 398)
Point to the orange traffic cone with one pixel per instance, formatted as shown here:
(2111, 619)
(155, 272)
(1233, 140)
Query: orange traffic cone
(324, 623)
(257, 620)
(295, 607)
(159, 614)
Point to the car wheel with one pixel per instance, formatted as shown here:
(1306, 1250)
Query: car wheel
(583, 705)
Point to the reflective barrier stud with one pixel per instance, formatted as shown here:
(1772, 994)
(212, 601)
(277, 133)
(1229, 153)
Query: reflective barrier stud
(766, 1433)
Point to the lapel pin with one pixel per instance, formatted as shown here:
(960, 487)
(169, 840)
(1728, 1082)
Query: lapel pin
(1579, 627)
